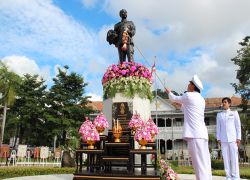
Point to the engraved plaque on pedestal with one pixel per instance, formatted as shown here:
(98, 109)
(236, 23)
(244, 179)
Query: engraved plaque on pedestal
(123, 112)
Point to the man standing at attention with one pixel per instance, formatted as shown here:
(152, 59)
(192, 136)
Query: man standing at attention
(228, 131)
(194, 130)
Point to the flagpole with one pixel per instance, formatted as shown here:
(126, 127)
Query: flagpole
(156, 76)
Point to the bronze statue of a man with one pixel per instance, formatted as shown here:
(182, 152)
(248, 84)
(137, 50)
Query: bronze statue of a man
(121, 37)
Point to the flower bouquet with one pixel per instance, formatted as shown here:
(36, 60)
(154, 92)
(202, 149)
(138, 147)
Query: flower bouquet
(136, 122)
(152, 128)
(142, 136)
(89, 133)
(130, 78)
(87, 124)
(166, 172)
(101, 123)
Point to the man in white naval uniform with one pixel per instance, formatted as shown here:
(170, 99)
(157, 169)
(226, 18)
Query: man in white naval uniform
(194, 130)
(228, 132)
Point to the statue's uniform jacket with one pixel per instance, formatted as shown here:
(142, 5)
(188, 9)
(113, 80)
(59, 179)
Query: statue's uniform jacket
(121, 27)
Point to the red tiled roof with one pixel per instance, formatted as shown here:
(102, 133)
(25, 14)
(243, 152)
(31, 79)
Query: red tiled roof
(216, 102)
(96, 105)
(210, 103)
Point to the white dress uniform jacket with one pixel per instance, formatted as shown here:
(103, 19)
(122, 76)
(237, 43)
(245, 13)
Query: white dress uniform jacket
(195, 132)
(228, 128)
(193, 106)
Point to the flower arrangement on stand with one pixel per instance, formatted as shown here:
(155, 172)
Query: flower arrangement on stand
(130, 78)
(152, 128)
(101, 123)
(142, 136)
(135, 122)
(89, 133)
(166, 172)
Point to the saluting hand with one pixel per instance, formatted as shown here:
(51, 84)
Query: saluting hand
(168, 90)
(238, 142)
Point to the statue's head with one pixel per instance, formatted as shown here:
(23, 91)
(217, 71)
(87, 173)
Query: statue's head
(123, 14)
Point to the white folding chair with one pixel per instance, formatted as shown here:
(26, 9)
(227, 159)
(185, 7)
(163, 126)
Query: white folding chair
(28, 157)
(44, 154)
(21, 154)
(12, 158)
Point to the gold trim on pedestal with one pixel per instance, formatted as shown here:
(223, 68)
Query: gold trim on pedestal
(91, 144)
(117, 136)
(143, 143)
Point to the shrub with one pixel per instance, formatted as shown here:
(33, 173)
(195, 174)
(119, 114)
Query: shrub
(10, 172)
(217, 164)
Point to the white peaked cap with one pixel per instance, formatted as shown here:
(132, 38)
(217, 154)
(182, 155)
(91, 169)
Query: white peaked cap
(197, 82)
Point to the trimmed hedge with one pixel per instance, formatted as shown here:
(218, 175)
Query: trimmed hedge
(217, 164)
(10, 172)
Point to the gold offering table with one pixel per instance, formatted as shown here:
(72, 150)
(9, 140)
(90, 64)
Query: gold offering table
(116, 160)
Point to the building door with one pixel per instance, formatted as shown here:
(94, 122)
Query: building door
(169, 145)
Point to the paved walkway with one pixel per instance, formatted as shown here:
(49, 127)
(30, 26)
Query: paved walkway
(70, 177)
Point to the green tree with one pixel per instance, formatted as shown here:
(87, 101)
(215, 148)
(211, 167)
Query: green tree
(68, 104)
(245, 128)
(9, 83)
(161, 93)
(242, 60)
(28, 112)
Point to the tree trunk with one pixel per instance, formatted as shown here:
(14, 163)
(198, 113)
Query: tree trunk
(3, 123)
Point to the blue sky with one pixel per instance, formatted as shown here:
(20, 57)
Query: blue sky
(183, 37)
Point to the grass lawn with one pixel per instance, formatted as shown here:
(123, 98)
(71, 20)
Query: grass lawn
(9, 172)
(244, 171)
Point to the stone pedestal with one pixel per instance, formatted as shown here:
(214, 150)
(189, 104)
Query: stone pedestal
(136, 104)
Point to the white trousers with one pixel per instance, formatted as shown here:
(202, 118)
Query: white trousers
(198, 149)
(231, 162)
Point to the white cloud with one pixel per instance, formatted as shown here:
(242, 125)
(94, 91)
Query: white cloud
(23, 65)
(41, 27)
(217, 91)
(180, 27)
(94, 97)
(188, 37)
(89, 3)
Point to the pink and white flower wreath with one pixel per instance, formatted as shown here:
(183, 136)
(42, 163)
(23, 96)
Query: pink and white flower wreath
(88, 131)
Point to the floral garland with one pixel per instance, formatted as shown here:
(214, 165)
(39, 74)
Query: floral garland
(166, 172)
(130, 78)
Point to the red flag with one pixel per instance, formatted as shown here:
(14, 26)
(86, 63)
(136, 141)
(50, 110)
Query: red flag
(153, 69)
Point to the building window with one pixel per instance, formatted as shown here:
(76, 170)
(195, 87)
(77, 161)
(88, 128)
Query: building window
(168, 122)
(161, 122)
(207, 121)
(178, 122)
(162, 146)
(169, 145)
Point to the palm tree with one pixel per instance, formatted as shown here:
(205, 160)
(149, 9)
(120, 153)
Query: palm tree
(9, 82)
